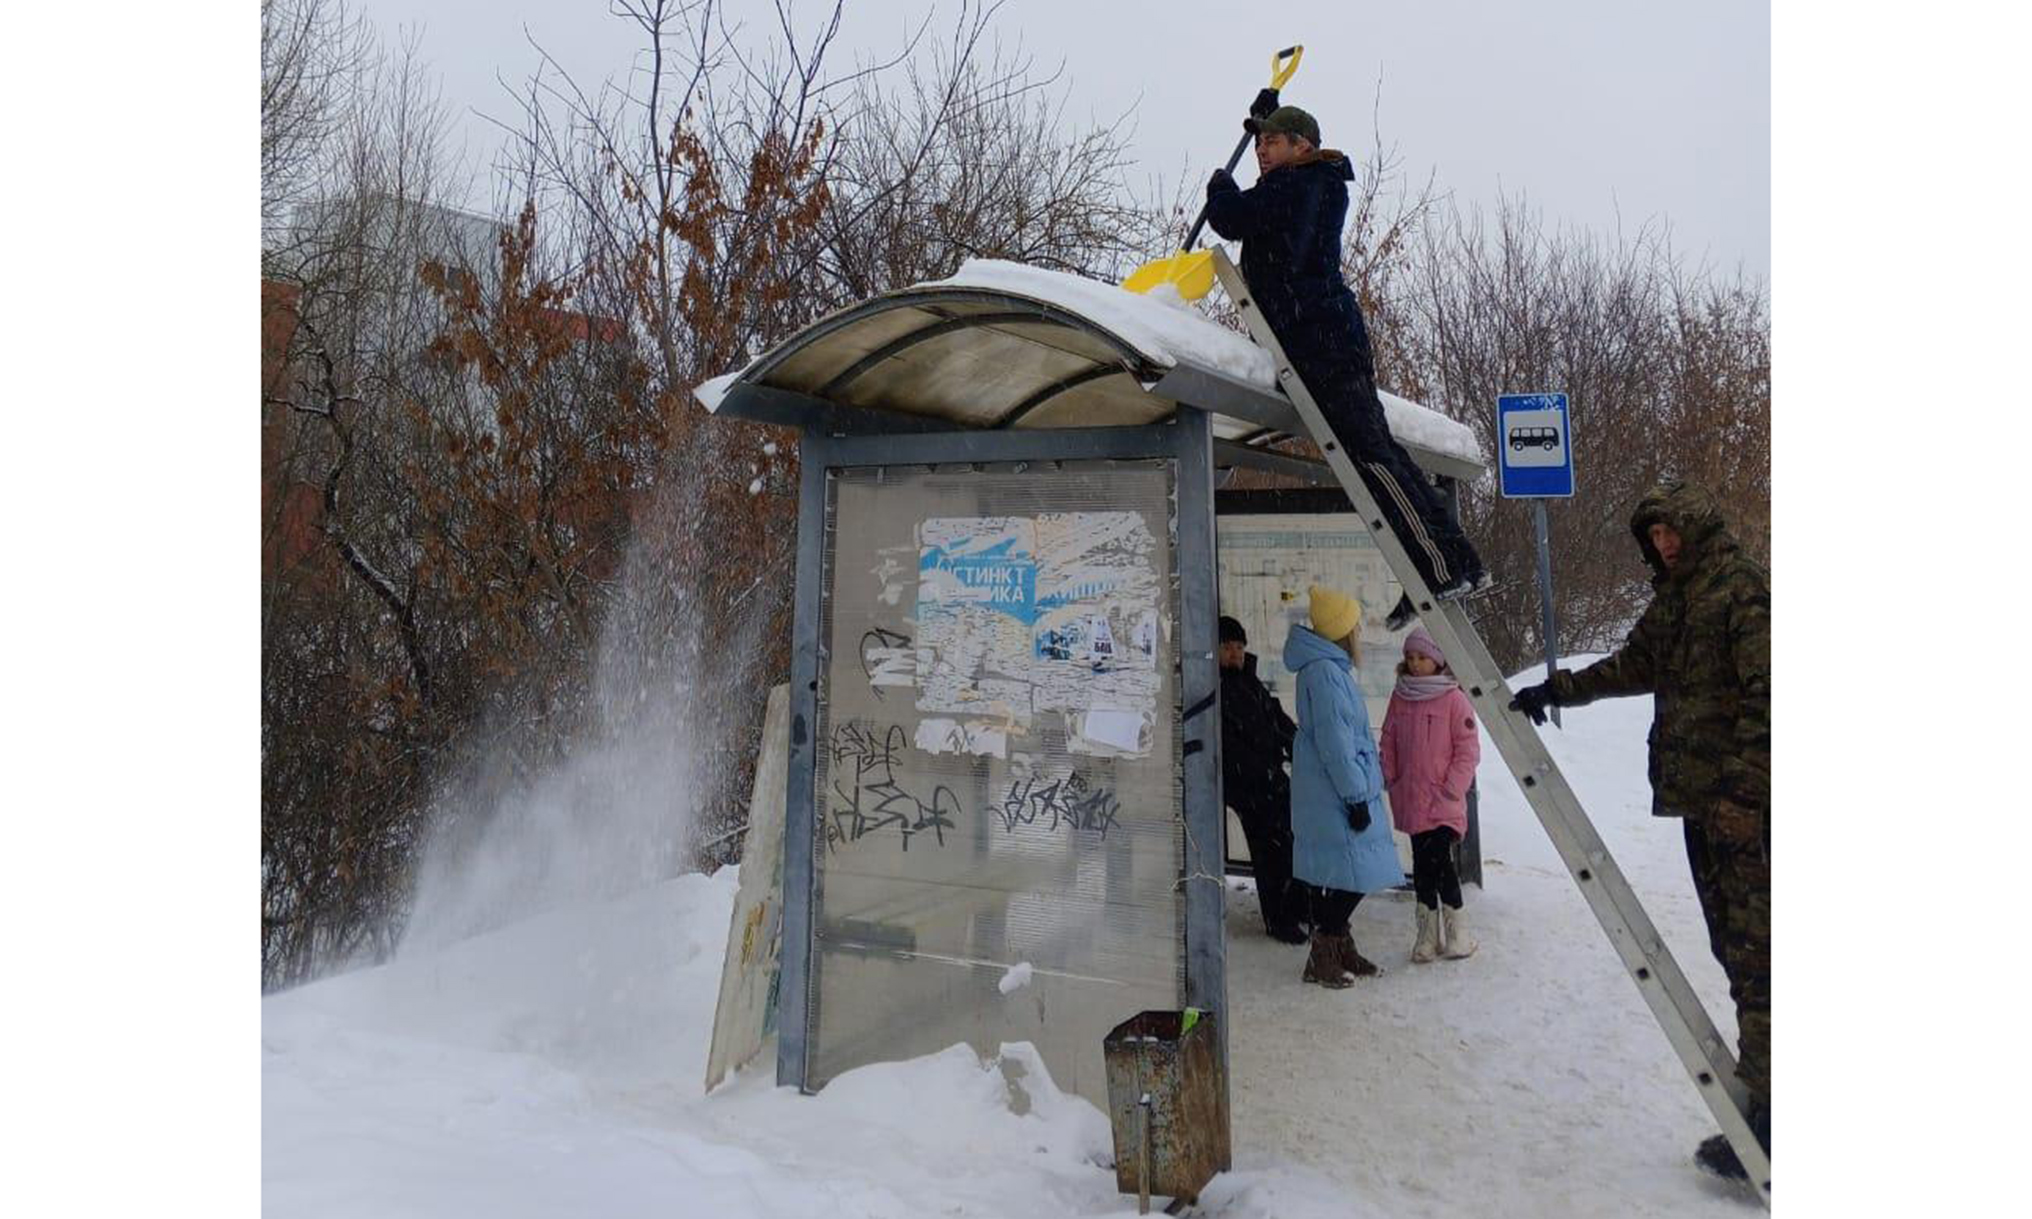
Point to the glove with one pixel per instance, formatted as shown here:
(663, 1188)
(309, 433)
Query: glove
(1264, 105)
(1533, 700)
(1358, 815)
(1739, 824)
(1221, 181)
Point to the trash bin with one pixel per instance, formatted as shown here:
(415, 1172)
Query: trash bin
(1166, 1103)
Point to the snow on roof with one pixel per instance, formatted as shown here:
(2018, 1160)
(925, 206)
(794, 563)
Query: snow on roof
(1167, 331)
(1162, 330)
(711, 393)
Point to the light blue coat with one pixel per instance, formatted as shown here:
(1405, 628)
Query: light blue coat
(1333, 762)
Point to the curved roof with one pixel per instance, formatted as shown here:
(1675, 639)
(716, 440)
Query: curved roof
(1002, 345)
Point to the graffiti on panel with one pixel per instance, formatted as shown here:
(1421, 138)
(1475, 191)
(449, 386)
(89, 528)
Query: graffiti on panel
(866, 798)
(887, 659)
(1070, 803)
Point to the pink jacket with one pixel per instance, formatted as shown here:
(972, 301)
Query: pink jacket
(1429, 753)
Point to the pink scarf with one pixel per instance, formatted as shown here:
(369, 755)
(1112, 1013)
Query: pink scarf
(1421, 689)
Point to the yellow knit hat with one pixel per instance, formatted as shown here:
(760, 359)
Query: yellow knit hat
(1334, 615)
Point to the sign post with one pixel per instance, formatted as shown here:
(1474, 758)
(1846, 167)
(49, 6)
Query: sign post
(1534, 461)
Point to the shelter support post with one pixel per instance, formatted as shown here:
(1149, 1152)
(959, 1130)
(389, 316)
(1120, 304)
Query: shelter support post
(800, 829)
(1206, 979)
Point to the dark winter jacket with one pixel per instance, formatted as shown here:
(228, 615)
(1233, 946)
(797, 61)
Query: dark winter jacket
(1703, 648)
(1255, 744)
(1289, 225)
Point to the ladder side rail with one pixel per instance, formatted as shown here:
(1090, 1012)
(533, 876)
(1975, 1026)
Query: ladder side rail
(1582, 850)
(1680, 1015)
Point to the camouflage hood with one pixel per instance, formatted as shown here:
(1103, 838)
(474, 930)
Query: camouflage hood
(1691, 513)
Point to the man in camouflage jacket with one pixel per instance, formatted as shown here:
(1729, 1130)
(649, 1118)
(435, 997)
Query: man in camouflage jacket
(1703, 650)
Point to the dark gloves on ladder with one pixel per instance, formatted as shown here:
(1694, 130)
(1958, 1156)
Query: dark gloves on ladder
(1533, 700)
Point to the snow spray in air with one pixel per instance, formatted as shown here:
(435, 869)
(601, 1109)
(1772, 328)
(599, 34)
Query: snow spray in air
(615, 809)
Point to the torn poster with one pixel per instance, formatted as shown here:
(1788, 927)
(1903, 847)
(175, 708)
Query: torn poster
(955, 736)
(1022, 615)
(1125, 732)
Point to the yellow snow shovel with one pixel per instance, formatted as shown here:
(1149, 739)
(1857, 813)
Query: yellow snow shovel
(1190, 271)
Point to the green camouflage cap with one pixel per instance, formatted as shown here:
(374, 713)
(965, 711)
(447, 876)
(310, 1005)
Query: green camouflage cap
(1289, 120)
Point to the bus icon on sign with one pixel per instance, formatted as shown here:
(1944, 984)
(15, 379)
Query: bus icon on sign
(1534, 446)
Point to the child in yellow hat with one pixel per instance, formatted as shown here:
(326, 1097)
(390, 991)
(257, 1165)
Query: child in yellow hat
(1341, 844)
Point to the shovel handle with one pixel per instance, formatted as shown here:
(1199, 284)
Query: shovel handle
(1283, 64)
(1234, 159)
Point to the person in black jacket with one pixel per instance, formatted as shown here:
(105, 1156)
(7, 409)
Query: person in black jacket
(1289, 225)
(1255, 745)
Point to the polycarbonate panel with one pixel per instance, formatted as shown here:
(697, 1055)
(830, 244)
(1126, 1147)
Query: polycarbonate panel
(972, 376)
(999, 782)
(811, 364)
(1109, 402)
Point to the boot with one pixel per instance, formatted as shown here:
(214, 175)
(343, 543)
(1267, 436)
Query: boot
(1401, 615)
(1716, 1156)
(1352, 960)
(1323, 967)
(1456, 943)
(1288, 933)
(1427, 946)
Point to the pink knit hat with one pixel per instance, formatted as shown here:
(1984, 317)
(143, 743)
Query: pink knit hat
(1418, 643)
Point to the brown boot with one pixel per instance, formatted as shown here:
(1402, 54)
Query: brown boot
(1323, 966)
(1353, 961)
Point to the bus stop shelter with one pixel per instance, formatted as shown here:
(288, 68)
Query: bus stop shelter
(1003, 814)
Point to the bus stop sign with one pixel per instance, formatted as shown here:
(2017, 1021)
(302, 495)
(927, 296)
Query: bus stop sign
(1534, 450)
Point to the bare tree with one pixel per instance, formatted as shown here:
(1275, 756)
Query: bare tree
(491, 438)
(311, 54)
(1667, 367)
(971, 155)
(351, 675)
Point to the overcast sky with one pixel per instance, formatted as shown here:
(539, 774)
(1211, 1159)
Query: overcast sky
(1601, 112)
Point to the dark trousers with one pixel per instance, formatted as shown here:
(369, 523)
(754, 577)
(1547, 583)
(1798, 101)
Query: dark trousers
(1412, 507)
(1331, 909)
(1268, 831)
(1435, 874)
(1733, 881)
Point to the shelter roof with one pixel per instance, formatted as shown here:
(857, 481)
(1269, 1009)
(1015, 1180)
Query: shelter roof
(1003, 345)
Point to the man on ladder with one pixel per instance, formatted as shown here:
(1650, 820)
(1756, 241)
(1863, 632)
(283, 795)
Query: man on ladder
(1289, 225)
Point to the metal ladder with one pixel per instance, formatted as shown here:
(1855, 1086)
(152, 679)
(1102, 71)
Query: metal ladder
(1644, 954)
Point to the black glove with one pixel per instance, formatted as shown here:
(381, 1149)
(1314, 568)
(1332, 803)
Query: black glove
(1264, 105)
(1221, 181)
(1533, 700)
(1358, 815)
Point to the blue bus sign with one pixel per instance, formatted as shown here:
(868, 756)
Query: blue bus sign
(1534, 446)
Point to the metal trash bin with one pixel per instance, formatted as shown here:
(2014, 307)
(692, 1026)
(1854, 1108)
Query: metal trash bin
(1166, 1104)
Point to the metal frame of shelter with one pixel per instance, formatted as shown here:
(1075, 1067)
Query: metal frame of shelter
(949, 375)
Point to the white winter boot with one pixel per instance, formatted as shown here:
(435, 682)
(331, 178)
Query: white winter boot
(1427, 946)
(1456, 942)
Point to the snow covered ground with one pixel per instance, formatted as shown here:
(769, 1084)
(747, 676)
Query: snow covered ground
(553, 1068)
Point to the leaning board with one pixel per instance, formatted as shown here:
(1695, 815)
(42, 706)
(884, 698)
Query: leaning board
(746, 1014)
